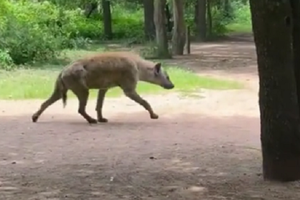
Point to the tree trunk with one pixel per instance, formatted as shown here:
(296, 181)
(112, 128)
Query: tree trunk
(149, 26)
(201, 19)
(295, 6)
(196, 12)
(90, 8)
(278, 102)
(178, 39)
(107, 19)
(160, 29)
(209, 17)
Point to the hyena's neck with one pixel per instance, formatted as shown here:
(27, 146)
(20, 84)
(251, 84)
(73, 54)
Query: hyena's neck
(143, 76)
(144, 72)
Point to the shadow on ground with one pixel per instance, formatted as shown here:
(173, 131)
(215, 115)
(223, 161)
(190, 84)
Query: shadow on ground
(133, 157)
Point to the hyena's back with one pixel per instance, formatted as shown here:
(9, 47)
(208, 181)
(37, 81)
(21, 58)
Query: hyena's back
(105, 70)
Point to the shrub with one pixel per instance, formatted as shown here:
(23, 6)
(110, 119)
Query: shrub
(127, 24)
(219, 22)
(30, 31)
(6, 62)
(38, 31)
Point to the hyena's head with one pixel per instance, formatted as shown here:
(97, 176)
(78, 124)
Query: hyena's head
(158, 76)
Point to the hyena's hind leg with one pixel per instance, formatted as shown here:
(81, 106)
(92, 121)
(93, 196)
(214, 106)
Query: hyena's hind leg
(99, 106)
(132, 94)
(82, 95)
(56, 95)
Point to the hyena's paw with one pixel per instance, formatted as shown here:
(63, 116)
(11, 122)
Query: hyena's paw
(154, 116)
(92, 121)
(102, 120)
(34, 118)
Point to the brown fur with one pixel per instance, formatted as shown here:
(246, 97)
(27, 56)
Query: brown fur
(104, 71)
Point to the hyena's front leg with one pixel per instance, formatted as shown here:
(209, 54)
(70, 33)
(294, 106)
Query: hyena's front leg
(100, 100)
(132, 94)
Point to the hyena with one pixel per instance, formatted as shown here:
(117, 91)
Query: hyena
(103, 71)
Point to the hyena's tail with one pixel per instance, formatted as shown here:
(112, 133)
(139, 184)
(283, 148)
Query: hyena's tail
(61, 88)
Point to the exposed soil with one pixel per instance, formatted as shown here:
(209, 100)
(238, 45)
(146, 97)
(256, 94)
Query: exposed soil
(205, 147)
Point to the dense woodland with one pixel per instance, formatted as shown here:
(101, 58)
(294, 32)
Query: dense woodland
(37, 30)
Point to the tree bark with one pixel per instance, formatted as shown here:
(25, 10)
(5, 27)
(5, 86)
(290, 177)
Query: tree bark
(200, 11)
(107, 19)
(209, 18)
(90, 8)
(160, 29)
(149, 27)
(278, 102)
(178, 39)
(295, 20)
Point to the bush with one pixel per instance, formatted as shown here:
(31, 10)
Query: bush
(29, 32)
(128, 24)
(219, 22)
(6, 62)
(241, 13)
(38, 31)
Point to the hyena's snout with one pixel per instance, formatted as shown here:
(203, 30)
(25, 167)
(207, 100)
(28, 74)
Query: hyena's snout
(168, 85)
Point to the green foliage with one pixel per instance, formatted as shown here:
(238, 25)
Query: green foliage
(241, 12)
(6, 62)
(242, 17)
(35, 31)
(219, 22)
(128, 23)
(237, 19)
(30, 31)
(224, 20)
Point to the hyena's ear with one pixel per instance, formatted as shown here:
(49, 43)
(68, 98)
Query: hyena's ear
(157, 68)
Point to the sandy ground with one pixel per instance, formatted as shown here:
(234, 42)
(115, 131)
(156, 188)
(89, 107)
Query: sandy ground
(204, 147)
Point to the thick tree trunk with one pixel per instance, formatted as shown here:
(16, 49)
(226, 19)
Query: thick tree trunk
(196, 13)
(107, 19)
(160, 29)
(200, 11)
(178, 39)
(295, 20)
(149, 26)
(278, 102)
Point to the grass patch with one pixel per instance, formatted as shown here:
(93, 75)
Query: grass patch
(239, 28)
(39, 83)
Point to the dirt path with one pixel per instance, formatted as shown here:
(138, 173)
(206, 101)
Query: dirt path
(200, 148)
